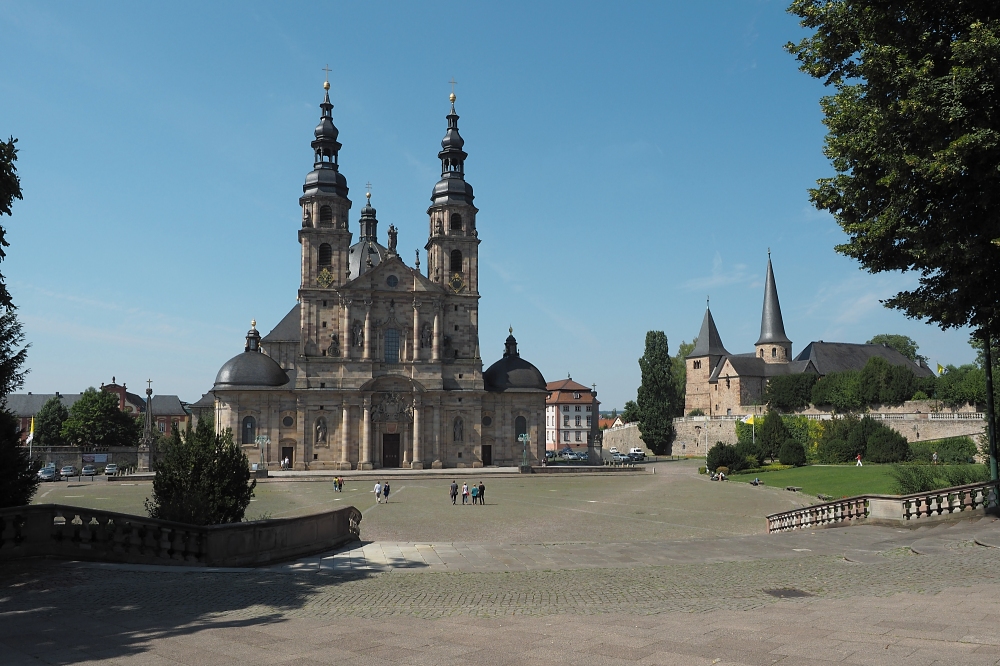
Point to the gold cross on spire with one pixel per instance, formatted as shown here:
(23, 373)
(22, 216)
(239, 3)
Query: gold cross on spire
(326, 84)
(453, 83)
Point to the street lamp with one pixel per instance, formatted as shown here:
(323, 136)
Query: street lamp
(524, 438)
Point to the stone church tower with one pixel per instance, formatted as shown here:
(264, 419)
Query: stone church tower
(773, 346)
(378, 364)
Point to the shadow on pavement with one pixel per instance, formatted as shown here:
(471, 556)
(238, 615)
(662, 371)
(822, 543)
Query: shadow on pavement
(56, 613)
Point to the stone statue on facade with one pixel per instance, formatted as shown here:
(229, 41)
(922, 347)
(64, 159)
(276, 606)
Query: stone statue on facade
(426, 336)
(321, 431)
(306, 217)
(357, 334)
(459, 429)
(392, 238)
(334, 348)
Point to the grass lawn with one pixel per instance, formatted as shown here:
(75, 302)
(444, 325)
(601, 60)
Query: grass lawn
(836, 480)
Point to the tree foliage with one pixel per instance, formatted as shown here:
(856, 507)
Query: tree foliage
(18, 473)
(843, 439)
(915, 139)
(631, 412)
(10, 189)
(878, 382)
(201, 478)
(658, 399)
(49, 422)
(679, 368)
(95, 420)
(771, 434)
(792, 453)
(904, 344)
(788, 393)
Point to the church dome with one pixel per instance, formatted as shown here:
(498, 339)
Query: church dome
(513, 373)
(251, 368)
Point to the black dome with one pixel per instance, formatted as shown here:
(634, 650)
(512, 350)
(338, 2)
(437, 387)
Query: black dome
(513, 373)
(252, 367)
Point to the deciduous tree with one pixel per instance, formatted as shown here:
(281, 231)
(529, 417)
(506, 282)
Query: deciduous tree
(95, 420)
(904, 344)
(914, 138)
(49, 422)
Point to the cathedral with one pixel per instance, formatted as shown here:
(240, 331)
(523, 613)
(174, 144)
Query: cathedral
(378, 363)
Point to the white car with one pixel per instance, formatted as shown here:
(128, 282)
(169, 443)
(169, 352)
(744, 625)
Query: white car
(613, 449)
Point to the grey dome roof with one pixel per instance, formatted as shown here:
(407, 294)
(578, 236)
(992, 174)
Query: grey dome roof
(357, 259)
(251, 368)
(452, 190)
(513, 373)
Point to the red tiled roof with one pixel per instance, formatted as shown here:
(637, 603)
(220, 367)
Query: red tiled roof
(566, 385)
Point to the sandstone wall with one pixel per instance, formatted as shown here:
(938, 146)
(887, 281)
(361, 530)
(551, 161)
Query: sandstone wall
(623, 438)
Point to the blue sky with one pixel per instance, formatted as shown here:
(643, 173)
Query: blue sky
(628, 159)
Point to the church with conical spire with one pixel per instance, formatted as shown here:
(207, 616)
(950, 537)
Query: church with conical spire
(721, 384)
(378, 364)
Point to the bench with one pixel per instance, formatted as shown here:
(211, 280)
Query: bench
(793, 489)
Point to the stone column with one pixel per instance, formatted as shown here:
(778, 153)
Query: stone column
(415, 355)
(437, 464)
(368, 330)
(366, 440)
(418, 460)
(345, 329)
(404, 443)
(436, 345)
(345, 426)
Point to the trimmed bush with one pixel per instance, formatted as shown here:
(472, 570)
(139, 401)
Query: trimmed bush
(885, 445)
(951, 451)
(792, 453)
(725, 455)
(787, 393)
(909, 479)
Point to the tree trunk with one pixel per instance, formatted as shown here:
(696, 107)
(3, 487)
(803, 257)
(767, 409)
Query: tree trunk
(991, 428)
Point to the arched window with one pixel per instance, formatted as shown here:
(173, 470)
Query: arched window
(762, 353)
(456, 222)
(326, 216)
(520, 427)
(392, 345)
(249, 430)
(325, 255)
(774, 352)
(456, 261)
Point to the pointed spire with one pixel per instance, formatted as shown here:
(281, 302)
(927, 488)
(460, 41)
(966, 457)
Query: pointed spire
(772, 328)
(325, 176)
(709, 341)
(369, 224)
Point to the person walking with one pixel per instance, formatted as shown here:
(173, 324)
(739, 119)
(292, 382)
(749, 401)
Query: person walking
(385, 491)
(475, 494)
(340, 484)
(454, 491)
(482, 493)
(934, 458)
(465, 493)
(859, 461)
(378, 492)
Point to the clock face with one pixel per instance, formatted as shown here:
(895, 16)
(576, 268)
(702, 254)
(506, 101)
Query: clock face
(456, 282)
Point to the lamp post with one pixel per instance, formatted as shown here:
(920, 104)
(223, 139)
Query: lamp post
(524, 438)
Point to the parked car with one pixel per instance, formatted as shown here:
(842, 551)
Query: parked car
(637, 451)
(637, 457)
(48, 474)
(550, 455)
(619, 458)
(67, 471)
(571, 456)
(111, 469)
(584, 456)
(613, 450)
(88, 470)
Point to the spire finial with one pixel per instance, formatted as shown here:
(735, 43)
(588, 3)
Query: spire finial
(510, 329)
(452, 97)
(707, 300)
(253, 323)
(326, 83)
(769, 254)
(368, 194)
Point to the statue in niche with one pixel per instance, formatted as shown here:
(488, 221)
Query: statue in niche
(438, 228)
(334, 348)
(306, 217)
(459, 429)
(392, 238)
(357, 334)
(321, 432)
(426, 335)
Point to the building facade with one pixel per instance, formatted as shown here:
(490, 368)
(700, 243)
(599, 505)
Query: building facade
(571, 416)
(723, 384)
(378, 364)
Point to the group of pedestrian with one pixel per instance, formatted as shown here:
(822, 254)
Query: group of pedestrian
(338, 484)
(381, 492)
(477, 493)
(286, 463)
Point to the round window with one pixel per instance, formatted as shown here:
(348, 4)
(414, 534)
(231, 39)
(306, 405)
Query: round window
(288, 421)
(392, 280)
(487, 421)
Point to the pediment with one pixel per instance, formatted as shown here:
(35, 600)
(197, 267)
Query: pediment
(408, 280)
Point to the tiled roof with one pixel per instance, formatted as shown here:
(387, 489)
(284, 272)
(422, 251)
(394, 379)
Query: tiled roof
(288, 329)
(830, 357)
(566, 385)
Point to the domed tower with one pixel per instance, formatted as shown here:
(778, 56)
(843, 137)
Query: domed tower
(325, 236)
(366, 254)
(453, 243)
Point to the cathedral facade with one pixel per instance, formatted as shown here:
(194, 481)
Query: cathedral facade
(378, 363)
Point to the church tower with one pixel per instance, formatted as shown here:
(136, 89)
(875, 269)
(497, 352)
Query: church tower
(773, 345)
(325, 235)
(453, 243)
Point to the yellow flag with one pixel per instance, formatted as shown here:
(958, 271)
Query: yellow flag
(32, 431)
(941, 369)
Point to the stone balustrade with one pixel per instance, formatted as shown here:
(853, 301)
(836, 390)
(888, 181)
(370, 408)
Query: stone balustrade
(891, 508)
(75, 533)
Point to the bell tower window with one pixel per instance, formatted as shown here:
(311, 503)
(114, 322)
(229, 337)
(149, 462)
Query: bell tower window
(774, 352)
(325, 216)
(325, 255)
(456, 261)
(456, 222)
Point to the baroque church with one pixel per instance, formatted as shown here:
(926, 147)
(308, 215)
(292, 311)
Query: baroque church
(723, 384)
(378, 364)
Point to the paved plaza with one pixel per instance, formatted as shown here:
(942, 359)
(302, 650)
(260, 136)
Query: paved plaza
(696, 590)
